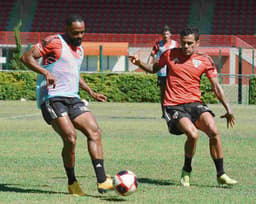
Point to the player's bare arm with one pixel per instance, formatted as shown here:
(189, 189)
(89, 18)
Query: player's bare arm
(222, 98)
(151, 58)
(30, 60)
(151, 68)
(97, 96)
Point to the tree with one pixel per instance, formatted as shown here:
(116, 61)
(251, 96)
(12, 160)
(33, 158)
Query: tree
(15, 63)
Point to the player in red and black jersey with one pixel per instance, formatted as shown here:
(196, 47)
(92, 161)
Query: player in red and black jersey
(185, 113)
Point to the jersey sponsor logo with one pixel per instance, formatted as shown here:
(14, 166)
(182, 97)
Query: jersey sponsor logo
(196, 63)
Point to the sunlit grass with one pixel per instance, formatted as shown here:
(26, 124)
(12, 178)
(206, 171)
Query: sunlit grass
(134, 138)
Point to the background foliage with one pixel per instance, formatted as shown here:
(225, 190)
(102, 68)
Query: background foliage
(125, 87)
(15, 62)
(252, 90)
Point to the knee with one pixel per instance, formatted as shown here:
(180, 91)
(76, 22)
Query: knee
(213, 133)
(95, 134)
(214, 137)
(70, 138)
(193, 134)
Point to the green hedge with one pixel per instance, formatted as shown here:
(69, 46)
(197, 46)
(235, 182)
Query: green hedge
(127, 87)
(252, 90)
(17, 85)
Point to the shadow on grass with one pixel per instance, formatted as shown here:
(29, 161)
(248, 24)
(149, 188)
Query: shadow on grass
(113, 199)
(156, 182)
(109, 198)
(18, 189)
(212, 186)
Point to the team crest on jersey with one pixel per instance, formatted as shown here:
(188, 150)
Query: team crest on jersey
(175, 115)
(196, 63)
(176, 60)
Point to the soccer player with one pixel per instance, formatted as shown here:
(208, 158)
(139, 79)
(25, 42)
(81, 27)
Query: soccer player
(185, 113)
(57, 95)
(158, 49)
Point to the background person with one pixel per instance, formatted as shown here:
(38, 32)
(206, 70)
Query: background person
(158, 49)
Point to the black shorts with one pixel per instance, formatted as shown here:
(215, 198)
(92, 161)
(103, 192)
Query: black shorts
(61, 106)
(161, 80)
(192, 111)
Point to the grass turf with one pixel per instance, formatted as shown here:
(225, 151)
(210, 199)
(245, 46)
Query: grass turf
(134, 138)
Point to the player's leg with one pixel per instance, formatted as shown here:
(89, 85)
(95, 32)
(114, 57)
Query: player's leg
(207, 124)
(54, 112)
(64, 127)
(87, 124)
(191, 132)
(179, 122)
(162, 86)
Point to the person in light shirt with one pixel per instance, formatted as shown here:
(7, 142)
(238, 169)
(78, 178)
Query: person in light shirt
(158, 49)
(58, 84)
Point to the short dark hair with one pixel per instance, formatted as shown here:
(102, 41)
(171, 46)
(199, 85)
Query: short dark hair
(73, 18)
(190, 30)
(166, 28)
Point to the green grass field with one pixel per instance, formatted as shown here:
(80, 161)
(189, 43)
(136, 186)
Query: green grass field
(134, 138)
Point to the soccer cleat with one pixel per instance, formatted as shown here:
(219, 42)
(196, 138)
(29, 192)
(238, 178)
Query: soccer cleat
(75, 189)
(106, 185)
(224, 179)
(184, 180)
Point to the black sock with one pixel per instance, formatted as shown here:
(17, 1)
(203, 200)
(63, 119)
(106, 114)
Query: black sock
(98, 165)
(219, 166)
(71, 175)
(187, 164)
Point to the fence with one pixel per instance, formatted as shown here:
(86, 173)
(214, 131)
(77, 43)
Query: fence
(237, 92)
(135, 40)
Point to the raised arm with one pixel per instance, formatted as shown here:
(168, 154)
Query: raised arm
(97, 96)
(30, 60)
(222, 98)
(150, 68)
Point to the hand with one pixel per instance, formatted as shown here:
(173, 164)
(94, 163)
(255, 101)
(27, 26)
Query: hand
(135, 60)
(99, 97)
(50, 80)
(230, 119)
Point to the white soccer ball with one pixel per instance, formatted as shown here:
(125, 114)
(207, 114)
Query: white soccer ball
(125, 183)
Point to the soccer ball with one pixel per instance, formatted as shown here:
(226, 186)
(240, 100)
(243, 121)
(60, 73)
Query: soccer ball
(125, 182)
